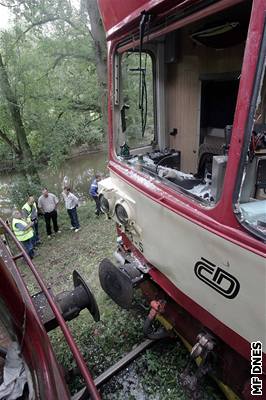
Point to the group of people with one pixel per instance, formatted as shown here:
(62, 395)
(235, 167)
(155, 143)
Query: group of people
(25, 222)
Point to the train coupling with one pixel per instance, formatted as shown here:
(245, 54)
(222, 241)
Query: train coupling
(201, 352)
(157, 309)
(70, 303)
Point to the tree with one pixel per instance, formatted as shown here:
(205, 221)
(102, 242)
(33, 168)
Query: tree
(51, 59)
(99, 39)
(50, 63)
(22, 148)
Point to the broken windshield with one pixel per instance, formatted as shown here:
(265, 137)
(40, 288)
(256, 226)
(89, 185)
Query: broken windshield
(137, 106)
(194, 90)
(252, 197)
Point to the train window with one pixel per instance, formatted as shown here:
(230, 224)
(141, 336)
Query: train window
(252, 197)
(137, 109)
(198, 68)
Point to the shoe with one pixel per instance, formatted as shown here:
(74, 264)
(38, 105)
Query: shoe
(49, 236)
(72, 228)
(77, 229)
(58, 232)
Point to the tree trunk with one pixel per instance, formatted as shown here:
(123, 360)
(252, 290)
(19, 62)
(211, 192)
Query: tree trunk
(28, 165)
(9, 142)
(99, 40)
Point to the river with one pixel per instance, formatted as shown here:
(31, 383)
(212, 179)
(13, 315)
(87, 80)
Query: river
(76, 172)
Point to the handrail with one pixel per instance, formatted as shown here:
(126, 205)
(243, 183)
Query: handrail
(61, 322)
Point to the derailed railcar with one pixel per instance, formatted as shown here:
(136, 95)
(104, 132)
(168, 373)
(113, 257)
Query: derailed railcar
(187, 190)
(187, 150)
(29, 368)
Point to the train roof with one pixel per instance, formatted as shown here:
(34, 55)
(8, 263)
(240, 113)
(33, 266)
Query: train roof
(121, 17)
(117, 14)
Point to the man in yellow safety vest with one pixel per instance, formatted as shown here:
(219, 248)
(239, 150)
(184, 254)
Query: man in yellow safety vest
(23, 231)
(30, 213)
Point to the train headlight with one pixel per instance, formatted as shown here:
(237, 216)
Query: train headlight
(104, 204)
(121, 214)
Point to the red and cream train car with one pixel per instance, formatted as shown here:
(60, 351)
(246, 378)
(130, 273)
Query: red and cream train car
(187, 161)
(187, 154)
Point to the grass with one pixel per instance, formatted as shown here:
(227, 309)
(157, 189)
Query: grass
(154, 374)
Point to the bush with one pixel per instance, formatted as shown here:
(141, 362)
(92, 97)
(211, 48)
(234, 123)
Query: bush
(21, 189)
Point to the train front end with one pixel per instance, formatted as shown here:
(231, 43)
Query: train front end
(187, 161)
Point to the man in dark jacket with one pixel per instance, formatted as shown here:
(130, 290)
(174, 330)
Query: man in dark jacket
(94, 193)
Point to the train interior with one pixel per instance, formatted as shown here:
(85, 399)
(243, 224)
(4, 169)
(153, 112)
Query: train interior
(175, 106)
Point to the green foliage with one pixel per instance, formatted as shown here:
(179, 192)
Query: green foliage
(21, 188)
(49, 58)
(130, 85)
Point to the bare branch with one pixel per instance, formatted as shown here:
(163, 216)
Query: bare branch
(19, 3)
(34, 24)
(61, 56)
(57, 119)
(75, 55)
(72, 24)
(56, 62)
(85, 107)
(9, 5)
(93, 120)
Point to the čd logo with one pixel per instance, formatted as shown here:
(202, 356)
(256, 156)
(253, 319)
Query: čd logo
(217, 278)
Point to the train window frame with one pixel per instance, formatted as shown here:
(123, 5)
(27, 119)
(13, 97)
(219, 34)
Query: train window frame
(257, 86)
(202, 195)
(118, 104)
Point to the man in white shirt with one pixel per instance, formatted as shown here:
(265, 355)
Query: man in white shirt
(48, 203)
(71, 203)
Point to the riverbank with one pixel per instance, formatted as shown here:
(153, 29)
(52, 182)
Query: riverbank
(13, 165)
(154, 375)
(77, 172)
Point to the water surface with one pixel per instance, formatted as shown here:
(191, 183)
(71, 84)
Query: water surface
(76, 172)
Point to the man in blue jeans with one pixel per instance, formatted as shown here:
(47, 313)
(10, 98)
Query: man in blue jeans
(23, 231)
(30, 213)
(71, 203)
(47, 204)
(94, 193)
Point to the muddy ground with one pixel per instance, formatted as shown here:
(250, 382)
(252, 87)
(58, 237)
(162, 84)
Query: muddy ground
(152, 376)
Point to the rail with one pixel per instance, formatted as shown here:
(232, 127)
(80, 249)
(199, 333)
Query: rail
(61, 322)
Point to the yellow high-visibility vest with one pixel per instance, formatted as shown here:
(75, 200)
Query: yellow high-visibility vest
(28, 208)
(22, 235)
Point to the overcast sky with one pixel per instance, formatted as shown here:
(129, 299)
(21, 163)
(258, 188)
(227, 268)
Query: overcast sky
(4, 15)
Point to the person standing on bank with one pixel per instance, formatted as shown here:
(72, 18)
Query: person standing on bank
(23, 231)
(29, 211)
(71, 203)
(47, 204)
(94, 193)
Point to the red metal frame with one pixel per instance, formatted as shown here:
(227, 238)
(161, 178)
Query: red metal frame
(121, 18)
(214, 8)
(35, 347)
